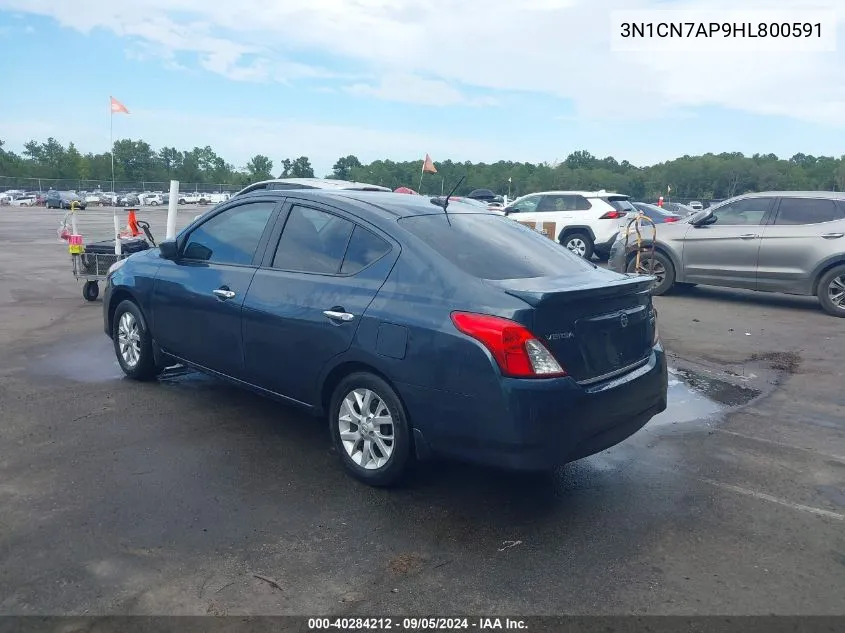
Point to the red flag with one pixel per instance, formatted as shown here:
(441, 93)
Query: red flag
(428, 165)
(117, 106)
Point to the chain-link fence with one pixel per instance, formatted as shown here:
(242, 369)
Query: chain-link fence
(121, 186)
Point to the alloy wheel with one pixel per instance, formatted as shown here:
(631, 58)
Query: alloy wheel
(577, 246)
(129, 339)
(366, 429)
(836, 291)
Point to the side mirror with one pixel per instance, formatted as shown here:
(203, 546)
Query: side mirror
(704, 218)
(169, 249)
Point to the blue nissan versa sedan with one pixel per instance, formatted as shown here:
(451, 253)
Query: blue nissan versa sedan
(415, 332)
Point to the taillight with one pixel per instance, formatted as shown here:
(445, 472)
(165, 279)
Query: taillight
(671, 219)
(516, 350)
(613, 215)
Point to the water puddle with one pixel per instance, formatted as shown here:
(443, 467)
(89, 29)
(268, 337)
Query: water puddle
(697, 396)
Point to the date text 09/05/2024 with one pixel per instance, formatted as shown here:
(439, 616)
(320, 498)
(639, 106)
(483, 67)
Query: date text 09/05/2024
(720, 29)
(415, 624)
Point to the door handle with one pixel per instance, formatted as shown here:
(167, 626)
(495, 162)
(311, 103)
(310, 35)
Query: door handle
(224, 293)
(338, 316)
(832, 236)
(749, 236)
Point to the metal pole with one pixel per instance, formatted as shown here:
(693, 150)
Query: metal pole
(111, 147)
(171, 210)
(118, 247)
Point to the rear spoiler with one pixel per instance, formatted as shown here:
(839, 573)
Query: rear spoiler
(547, 290)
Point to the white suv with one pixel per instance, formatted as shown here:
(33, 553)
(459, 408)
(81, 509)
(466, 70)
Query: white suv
(582, 221)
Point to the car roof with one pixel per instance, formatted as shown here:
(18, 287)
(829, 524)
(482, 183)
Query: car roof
(316, 183)
(587, 194)
(387, 205)
(839, 195)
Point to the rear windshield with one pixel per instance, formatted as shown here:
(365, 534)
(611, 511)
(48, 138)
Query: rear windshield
(621, 204)
(489, 246)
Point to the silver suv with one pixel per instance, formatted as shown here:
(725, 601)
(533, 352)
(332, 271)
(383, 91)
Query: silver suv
(783, 241)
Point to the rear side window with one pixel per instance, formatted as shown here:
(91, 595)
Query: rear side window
(312, 241)
(620, 204)
(489, 246)
(555, 202)
(364, 249)
(808, 211)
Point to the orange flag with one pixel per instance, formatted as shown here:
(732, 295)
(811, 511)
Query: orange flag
(428, 165)
(117, 106)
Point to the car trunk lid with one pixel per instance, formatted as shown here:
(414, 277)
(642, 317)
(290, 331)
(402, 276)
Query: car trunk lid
(595, 327)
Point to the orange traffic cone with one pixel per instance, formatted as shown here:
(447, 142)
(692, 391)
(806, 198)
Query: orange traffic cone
(133, 224)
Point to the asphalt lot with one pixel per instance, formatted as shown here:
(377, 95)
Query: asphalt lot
(167, 498)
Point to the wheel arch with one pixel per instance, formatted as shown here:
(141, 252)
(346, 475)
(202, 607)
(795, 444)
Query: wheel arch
(823, 268)
(117, 296)
(576, 228)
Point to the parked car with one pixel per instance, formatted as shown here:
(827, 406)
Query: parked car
(63, 200)
(153, 199)
(189, 198)
(696, 205)
(656, 214)
(94, 198)
(678, 208)
(584, 222)
(128, 200)
(414, 332)
(789, 242)
(282, 184)
(24, 201)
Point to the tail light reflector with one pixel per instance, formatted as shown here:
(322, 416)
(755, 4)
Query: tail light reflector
(516, 350)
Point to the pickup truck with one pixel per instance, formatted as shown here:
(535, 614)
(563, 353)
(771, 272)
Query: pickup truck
(189, 198)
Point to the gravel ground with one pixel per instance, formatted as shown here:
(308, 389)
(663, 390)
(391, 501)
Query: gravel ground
(173, 497)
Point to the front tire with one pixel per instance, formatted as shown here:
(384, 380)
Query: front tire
(133, 344)
(370, 431)
(663, 269)
(831, 291)
(579, 243)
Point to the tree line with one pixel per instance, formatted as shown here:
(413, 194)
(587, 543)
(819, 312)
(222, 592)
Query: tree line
(705, 177)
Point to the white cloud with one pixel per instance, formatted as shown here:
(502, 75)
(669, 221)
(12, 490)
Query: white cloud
(413, 89)
(426, 51)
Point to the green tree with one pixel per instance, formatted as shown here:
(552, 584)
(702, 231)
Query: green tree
(260, 167)
(344, 166)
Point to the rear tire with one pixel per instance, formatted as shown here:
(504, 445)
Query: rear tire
(831, 291)
(133, 343)
(579, 243)
(664, 270)
(370, 431)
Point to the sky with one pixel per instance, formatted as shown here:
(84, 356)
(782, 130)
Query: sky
(477, 80)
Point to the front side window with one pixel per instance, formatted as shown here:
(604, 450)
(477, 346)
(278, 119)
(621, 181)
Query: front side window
(526, 205)
(230, 237)
(748, 211)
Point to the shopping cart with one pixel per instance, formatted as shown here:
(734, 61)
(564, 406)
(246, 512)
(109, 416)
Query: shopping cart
(91, 262)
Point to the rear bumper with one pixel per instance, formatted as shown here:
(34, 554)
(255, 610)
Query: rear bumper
(539, 424)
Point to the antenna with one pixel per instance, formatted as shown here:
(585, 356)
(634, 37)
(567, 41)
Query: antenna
(444, 202)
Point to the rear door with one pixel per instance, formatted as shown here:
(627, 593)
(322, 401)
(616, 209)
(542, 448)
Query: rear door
(322, 270)
(725, 252)
(197, 299)
(804, 232)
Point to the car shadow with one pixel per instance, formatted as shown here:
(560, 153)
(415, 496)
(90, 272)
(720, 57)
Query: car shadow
(751, 297)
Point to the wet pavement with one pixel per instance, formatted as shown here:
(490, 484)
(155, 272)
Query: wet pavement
(168, 497)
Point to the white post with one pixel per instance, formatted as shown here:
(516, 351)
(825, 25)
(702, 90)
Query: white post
(73, 228)
(171, 210)
(118, 246)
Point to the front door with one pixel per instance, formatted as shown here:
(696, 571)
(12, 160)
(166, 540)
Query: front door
(307, 301)
(724, 252)
(197, 299)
